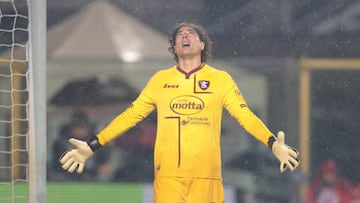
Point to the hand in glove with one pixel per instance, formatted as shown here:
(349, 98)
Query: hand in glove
(74, 159)
(287, 155)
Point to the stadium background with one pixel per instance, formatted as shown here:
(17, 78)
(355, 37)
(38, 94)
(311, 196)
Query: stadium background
(260, 42)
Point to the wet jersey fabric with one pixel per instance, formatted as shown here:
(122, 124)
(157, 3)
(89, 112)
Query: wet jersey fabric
(189, 113)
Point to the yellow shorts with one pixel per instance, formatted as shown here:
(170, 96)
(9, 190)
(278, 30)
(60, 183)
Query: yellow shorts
(188, 190)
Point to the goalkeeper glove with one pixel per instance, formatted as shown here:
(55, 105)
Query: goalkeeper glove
(74, 159)
(288, 156)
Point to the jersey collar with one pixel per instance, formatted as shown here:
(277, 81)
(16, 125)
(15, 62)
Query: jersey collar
(187, 75)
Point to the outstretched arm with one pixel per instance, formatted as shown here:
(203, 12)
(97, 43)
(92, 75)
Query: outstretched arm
(288, 156)
(238, 109)
(74, 159)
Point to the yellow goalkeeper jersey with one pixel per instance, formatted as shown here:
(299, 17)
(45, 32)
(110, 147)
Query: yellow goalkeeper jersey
(189, 113)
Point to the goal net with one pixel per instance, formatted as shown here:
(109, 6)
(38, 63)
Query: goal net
(16, 91)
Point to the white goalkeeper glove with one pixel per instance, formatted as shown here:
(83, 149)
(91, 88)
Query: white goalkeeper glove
(288, 156)
(74, 159)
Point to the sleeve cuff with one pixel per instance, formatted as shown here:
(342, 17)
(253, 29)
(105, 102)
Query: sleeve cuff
(271, 141)
(94, 144)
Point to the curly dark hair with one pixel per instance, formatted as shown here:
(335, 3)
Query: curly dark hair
(203, 36)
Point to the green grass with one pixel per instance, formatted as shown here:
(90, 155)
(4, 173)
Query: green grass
(17, 192)
(57, 192)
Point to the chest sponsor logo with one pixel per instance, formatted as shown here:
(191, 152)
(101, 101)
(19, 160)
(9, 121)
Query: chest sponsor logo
(187, 105)
(204, 84)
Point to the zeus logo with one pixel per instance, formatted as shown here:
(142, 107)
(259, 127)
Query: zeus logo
(170, 86)
(186, 105)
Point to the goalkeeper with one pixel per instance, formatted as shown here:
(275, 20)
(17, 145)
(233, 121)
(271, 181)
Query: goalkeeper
(189, 98)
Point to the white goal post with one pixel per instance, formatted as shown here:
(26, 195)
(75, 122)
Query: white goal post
(37, 101)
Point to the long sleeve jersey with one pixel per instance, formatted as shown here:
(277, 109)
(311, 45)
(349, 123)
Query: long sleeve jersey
(189, 113)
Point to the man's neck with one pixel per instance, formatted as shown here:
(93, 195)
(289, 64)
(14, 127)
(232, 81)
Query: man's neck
(188, 65)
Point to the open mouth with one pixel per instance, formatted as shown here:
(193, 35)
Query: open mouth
(186, 44)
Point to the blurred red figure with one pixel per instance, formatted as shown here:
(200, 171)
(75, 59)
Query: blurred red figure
(356, 194)
(328, 186)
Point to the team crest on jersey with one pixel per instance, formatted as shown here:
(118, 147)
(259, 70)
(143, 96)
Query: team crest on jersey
(204, 84)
